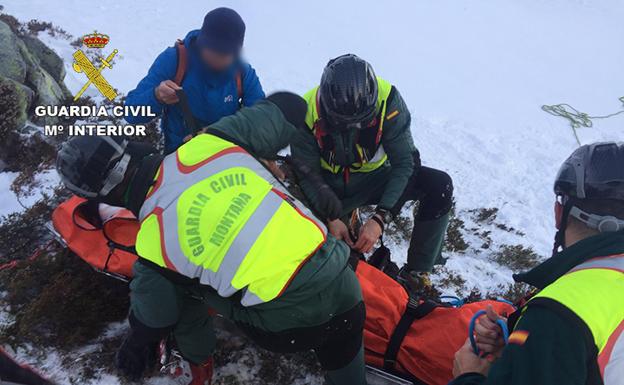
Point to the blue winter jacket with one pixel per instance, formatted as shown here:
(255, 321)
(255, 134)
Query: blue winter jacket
(212, 95)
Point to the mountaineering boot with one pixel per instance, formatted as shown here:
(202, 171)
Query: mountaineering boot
(426, 243)
(417, 283)
(353, 374)
(202, 374)
(181, 371)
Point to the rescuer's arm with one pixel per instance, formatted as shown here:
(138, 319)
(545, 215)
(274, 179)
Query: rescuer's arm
(399, 145)
(260, 129)
(263, 130)
(553, 353)
(305, 151)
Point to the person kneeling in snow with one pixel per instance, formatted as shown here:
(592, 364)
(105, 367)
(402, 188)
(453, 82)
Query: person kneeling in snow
(571, 331)
(361, 144)
(220, 232)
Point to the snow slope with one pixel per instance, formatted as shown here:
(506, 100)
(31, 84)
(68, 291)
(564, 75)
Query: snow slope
(474, 74)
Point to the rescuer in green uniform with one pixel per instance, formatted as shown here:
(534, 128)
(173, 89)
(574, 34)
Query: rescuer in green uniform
(361, 143)
(219, 231)
(571, 330)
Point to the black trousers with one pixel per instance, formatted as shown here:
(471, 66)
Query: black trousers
(433, 188)
(335, 342)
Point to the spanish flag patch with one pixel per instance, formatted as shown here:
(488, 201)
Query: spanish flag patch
(518, 337)
(392, 114)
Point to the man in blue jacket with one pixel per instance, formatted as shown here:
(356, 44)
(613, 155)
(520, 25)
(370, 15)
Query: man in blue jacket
(209, 68)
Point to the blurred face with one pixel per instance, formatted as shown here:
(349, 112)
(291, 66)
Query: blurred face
(216, 60)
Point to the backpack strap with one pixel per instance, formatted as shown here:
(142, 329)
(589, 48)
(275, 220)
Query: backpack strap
(182, 62)
(413, 311)
(239, 88)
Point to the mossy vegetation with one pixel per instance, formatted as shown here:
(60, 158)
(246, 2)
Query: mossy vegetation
(513, 292)
(12, 111)
(516, 257)
(454, 240)
(58, 300)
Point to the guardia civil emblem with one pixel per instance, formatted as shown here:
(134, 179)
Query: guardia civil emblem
(93, 71)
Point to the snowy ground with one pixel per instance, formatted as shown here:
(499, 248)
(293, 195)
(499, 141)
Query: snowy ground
(474, 74)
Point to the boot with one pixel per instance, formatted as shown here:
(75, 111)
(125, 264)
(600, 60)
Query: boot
(418, 284)
(182, 372)
(202, 374)
(426, 244)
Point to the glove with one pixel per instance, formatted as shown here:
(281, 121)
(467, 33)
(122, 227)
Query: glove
(138, 350)
(326, 203)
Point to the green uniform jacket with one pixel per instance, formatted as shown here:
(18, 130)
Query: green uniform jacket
(388, 181)
(555, 351)
(324, 286)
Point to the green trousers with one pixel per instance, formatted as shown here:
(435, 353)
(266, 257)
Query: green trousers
(432, 188)
(157, 302)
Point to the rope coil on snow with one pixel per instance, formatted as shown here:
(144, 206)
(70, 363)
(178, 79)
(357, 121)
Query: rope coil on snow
(577, 118)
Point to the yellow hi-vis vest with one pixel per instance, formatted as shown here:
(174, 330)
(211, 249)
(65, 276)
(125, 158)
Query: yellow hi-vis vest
(594, 292)
(379, 158)
(216, 214)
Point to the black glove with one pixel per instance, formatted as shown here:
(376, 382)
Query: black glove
(138, 351)
(327, 204)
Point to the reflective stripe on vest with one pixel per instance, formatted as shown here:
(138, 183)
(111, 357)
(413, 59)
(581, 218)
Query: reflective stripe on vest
(218, 215)
(594, 291)
(380, 157)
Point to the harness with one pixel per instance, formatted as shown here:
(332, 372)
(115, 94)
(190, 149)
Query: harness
(368, 139)
(367, 146)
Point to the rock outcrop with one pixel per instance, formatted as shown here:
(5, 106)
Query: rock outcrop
(31, 74)
(34, 70)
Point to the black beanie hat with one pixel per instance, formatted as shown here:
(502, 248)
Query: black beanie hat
(223, 31)
(292, 106)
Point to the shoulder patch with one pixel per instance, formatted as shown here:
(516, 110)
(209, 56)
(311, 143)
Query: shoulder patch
(392, 115)
(518, 337)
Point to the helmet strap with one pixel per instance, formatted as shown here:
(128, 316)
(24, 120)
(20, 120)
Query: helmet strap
(562, 211)
(115, 175)
(602, 223)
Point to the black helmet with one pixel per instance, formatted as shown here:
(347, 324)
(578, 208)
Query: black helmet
(348, 92)
(594, 171)
(92, 166)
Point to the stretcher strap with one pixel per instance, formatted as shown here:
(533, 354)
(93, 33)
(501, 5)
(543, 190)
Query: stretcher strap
(413, 311)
